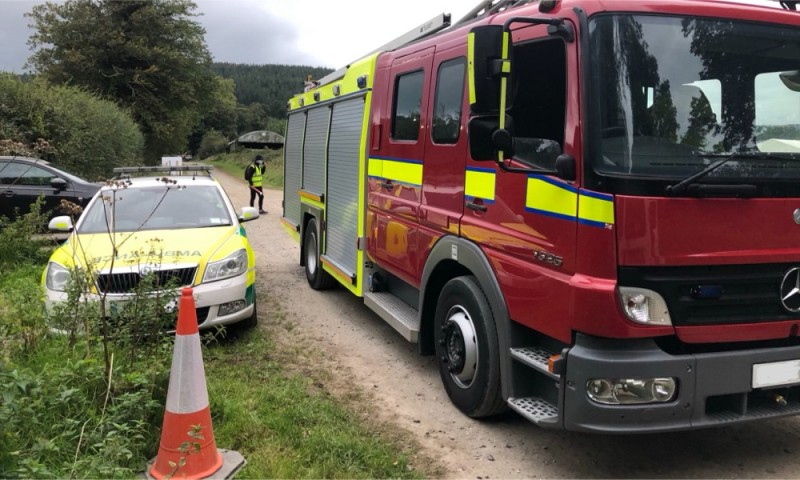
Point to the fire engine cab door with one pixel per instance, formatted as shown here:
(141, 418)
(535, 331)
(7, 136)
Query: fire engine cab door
(396, 167)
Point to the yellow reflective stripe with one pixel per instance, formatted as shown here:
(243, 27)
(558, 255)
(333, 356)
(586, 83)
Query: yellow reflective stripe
(375, 168)
(396, 170)
(471, 67)
(480, 183)
(596, 208)
(551, 198)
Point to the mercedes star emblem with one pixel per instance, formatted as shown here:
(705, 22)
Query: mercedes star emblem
(790, 290)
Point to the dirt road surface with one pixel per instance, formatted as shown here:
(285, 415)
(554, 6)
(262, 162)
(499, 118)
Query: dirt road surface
(404, 390)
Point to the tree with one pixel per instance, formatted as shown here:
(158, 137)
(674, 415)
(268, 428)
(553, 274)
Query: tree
(149, 56)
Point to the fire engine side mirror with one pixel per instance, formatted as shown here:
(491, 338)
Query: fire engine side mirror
(486, 137)
(791, 80)
(489, 69)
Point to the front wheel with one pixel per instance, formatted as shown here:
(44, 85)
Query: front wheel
(318, 278)
(465, 337)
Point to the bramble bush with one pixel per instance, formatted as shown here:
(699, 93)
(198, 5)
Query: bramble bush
(88, 403)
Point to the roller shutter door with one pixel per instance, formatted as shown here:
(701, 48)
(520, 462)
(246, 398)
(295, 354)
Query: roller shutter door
(342, 197)
(314, 150)
(293, 151)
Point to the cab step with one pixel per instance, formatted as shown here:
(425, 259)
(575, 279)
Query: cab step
(534, 358)
(397, 313)
(536, 410)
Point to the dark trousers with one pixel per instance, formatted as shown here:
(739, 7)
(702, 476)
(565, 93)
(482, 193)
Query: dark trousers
(257, 191)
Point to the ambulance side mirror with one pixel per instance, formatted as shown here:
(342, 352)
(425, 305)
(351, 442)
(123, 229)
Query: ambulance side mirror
(489, 68)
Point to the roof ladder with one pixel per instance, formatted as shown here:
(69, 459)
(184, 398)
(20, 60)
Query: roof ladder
(434, 25)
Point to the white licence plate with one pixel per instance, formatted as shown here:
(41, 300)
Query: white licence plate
(776, 373)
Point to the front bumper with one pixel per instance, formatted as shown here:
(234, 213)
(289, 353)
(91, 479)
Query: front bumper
(208, 298)
(714, 389)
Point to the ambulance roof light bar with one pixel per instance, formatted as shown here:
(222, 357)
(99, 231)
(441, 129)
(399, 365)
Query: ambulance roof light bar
(174, 170)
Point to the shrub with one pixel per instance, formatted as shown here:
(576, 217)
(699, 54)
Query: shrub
(213, 142)
(74, 129)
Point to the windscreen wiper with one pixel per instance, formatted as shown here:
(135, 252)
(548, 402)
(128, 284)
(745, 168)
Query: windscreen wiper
(736, 190)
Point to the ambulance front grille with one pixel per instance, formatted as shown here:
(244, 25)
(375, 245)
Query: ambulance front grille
(126, 282)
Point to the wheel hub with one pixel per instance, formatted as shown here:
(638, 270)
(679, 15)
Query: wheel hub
(460, 346)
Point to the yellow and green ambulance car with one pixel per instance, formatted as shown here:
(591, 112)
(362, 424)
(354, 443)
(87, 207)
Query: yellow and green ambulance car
(180, 227)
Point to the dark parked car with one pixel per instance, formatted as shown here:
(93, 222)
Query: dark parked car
(23, 180)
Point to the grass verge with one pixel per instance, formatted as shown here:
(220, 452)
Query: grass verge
(286, 424)
(235, 163)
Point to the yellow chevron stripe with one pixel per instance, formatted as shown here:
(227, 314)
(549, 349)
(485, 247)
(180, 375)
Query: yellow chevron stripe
(592, 208)
(551, 198)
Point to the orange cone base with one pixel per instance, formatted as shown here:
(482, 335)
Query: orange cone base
(173, 434)
(232, 462)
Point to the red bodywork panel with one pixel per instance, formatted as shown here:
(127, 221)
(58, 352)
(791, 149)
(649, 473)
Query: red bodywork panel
(579, 295)
(687, 231)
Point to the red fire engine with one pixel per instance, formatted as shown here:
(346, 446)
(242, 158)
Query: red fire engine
(588, 211)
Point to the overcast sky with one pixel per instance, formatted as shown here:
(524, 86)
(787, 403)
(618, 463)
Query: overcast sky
(320, 33)
(323, 33)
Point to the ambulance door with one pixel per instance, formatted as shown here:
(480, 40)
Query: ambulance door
(396, 168)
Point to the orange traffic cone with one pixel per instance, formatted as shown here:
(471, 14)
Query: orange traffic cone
(187, 419)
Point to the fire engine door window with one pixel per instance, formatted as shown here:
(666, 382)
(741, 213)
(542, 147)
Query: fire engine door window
(407, 104)
(539, 102)
(449, 97)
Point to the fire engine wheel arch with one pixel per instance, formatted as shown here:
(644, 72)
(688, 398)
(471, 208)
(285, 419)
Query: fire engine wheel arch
(451, 258)
(466, 348)
(317, 277)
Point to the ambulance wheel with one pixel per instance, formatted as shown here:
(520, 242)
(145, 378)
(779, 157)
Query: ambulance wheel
(318, 278)
(465, 338)
(252, 320)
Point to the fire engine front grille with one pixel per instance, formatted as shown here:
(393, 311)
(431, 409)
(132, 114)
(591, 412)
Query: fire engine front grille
(715, 294)
(126, 282)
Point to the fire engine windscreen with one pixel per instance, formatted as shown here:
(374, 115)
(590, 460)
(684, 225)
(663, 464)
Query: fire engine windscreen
(674, 95)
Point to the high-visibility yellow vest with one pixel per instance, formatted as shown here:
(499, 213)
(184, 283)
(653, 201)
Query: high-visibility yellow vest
(257, 176)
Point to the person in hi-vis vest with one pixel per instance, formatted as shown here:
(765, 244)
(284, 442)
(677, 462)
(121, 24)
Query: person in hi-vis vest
(254, 174)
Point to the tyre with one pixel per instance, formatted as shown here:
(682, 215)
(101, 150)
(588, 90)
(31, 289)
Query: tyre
(252, 320)
(465, 338)
(318, 278)
(247, 323)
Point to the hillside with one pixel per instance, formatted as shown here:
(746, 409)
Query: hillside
(269, 85)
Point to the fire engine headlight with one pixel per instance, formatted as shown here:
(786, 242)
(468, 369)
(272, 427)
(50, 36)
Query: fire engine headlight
(56, 278)
(644, 306)
(230, 266)
(631, 391)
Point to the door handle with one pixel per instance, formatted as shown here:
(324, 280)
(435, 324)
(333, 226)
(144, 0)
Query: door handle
(476, 206)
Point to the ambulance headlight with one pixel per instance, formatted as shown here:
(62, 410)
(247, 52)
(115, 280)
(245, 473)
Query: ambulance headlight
(230, 266)
(644, 306)
(631, 391)
(56, 278)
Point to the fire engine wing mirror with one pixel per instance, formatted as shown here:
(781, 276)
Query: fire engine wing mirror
(489, 67)
(791, 80)
(486, 138)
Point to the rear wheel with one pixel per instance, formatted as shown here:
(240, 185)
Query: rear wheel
(466, 346)
(318, 278)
